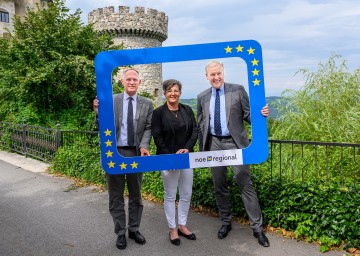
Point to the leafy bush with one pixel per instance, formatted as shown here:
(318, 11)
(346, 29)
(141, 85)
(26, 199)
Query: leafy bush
(325, 109)
(80, 161)
(329, 214)
(5, 140)
(47, 68)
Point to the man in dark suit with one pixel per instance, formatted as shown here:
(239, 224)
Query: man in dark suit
(133, 133)
(221, 110)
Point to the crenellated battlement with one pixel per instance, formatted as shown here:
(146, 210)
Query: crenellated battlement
(149, 24)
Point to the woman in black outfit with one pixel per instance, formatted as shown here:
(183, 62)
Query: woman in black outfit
(175, 131)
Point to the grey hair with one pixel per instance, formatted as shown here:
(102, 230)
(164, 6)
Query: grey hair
(214, 63)
(128, 69)
(167, 84)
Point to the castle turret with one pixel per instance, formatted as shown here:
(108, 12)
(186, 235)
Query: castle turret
(136, 30)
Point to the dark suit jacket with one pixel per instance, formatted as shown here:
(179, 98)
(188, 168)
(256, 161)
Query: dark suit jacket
(163, 130)
(237, 110)
(142, 124)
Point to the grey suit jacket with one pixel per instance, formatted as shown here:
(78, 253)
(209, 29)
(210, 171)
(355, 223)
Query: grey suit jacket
(237, 110)
(142, 125)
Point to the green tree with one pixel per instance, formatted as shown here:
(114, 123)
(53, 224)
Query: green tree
(325, 109)
(47, 68)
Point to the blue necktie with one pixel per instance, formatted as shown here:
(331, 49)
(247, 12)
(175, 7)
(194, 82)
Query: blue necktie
(130, 124)
(217, 120)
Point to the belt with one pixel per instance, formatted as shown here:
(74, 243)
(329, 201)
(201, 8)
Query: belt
(221, 137)
(127, 147)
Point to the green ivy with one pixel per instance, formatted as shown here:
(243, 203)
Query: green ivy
(328, 214)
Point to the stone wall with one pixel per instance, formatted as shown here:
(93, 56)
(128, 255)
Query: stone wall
(9, 7)
(17, 8)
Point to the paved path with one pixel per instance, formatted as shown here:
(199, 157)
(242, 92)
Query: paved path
(38, 217)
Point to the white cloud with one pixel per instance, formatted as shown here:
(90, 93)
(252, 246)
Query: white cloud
(294, 34)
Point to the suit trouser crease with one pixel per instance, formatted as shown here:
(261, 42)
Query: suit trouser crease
(243, 178)
(172, 180)
(116, 188)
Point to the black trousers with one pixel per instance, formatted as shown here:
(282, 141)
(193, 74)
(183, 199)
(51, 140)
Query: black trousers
(243, 178)
(116, 187)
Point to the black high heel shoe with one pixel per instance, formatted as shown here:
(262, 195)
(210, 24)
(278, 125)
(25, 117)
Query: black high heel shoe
(175, 241)
(191, 236)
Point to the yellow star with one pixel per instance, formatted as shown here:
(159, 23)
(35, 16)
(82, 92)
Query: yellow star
(123, 165)
(134, 165)
(109, 153)
(111, 164)
(255, 72)
(256, 82)
(239, 48)
(228, 49)
(107, 132)
(251, 51)
(255, 62)
(108, 143)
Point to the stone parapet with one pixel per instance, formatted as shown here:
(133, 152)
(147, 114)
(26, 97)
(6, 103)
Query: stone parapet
(149, 24)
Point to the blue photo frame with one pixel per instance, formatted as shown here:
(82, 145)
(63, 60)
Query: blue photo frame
(248, 50)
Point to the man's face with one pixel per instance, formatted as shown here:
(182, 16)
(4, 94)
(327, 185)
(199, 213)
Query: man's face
(215, 75)
(131, 82)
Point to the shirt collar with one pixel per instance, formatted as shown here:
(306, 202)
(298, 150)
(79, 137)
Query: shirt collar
(126, 96)
(221, 89)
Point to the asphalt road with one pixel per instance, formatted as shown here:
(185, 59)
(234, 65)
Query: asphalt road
(38, 217)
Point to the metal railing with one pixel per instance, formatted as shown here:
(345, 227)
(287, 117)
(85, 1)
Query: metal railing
(41, 142)
(88, 138)
(29, 140)
(325, 162)
(289, 160)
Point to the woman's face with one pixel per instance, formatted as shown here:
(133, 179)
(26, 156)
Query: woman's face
(172, 95)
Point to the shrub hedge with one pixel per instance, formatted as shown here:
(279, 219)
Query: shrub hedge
(329, 215)
(79, 161)
(315, 212)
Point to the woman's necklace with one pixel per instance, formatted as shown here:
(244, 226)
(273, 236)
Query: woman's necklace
(175, 112)
(174, 109)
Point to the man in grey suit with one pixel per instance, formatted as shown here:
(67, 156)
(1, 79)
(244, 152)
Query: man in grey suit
(133, 133)
(221, 110)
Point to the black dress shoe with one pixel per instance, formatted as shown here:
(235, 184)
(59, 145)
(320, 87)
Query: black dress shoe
(121, 242)
(224, 231)
(175, 241)
(139, 238)
(262, 239)
(191, 236)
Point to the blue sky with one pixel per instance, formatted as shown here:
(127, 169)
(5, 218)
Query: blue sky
(294, 34)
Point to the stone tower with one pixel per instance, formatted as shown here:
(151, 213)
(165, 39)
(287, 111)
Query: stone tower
(11, 8)
(136, 30)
